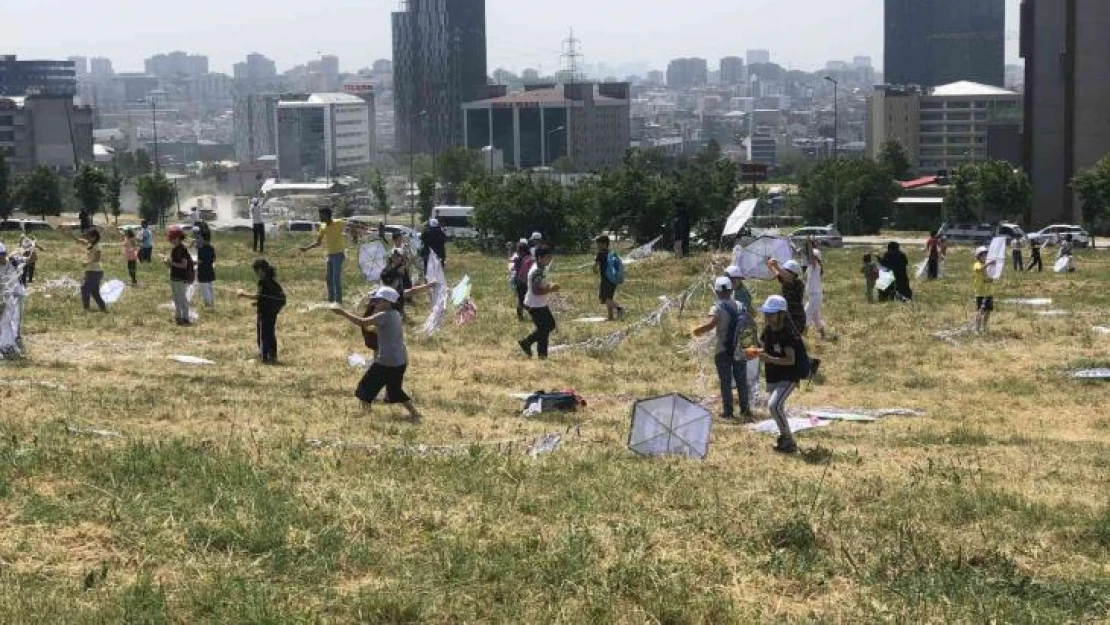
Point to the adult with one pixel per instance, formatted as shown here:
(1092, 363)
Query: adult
(258, 226)
(1015, 248)
(94, 272)
(932, 248)
(332, 235)
(84, 220)
(146, 242)
(535, 241)
(682, 233)
(895, 261)
(1035, 255)
(434, 240)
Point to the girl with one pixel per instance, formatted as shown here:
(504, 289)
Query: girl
(793, 291)
(783, 358)
(94, 273)
(31, 249)
(131, 253)
(206, 265)
(390, 359)
(182, 274)
(269, 301)
(870, 272)
(519, 267)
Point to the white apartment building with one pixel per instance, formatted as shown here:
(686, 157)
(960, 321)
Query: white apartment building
(326, 135)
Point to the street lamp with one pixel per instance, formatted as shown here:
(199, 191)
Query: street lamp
(543, 156)
(836, 150)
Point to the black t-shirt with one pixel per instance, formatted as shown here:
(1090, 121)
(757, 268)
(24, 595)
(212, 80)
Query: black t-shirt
(206, 261)
(602, 262)
(271, 297)
(179, 254)
(775, 344)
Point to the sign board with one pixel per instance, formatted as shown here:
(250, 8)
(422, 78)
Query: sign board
(753, 172)
(358, 88)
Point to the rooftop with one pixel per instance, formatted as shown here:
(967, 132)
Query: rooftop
(335, 98)
(968, 88)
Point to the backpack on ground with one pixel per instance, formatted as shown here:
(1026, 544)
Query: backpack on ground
(614, 270)
(561, 401)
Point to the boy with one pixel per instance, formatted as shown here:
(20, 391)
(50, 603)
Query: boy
(332, 233)
(206, 266)
(740, 291)
(726, 318)
(984, 290)
(536, 302)
(607, 291)
(146, 242)
(870, 272)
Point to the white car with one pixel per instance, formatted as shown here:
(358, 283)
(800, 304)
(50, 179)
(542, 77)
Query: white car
(826, 236)
(1053, 235)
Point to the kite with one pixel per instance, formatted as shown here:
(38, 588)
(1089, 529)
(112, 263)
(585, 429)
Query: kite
(191, 360)
(591, 320)
(886, 279)
(919, 269)
(434, 275)
(1092, 374)
(739, 217)
(670, 425)
(996, 254)
(796, 425)
(461, 292)
(752, 258)
(1038, 301)
(111, 291)
(372, 260)
(1063, 264)
(357, 361)
(839, 416)
(642, 252)
(11, 319)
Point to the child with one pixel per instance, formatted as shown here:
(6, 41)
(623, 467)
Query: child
(815, 292)
(536, 302)
(146, 242)
(269, 301)
(1035, 256)
(783, 354)
(94, 273)
(726, 318)
(870, 272)
(984, 290)
(519, 266)
(740, 291)
(131, 253)
(1015, 247)
(31, 249)
(793, 291)
(182, 274)
(391, 357)
(1065, 251)
(206, 266)
(607, 290)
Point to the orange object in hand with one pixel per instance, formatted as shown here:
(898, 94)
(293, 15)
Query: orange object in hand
(752, 352)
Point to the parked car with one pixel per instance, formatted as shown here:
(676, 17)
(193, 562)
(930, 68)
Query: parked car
(826, 236)
(25, 225)
(978, 234)
(302, 226)
(1052, 235)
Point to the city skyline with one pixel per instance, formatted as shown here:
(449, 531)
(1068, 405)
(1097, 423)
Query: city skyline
(283, 31)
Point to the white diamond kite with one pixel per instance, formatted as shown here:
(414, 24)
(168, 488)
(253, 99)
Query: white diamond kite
(740, 216)
(752, 258)
(997, 254)
(371, 259)
(670, 425)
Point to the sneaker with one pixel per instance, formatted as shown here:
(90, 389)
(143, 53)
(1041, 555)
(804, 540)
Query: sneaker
(526, 348)
(786, 446)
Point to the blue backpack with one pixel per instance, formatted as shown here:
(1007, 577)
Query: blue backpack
(614, 271)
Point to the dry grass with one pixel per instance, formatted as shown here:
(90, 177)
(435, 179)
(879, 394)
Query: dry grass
(213, 507)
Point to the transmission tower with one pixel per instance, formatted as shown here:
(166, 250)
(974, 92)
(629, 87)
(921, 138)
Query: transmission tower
(571, 58)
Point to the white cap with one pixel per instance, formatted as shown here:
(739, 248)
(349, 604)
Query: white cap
(389, 294)
(722, 284)
(734, 272)
(3, 250)
(816, 252)
(536, 237)
(774, 304)
(433, 222)
(793, 267)
(524, 241)
(981, 250)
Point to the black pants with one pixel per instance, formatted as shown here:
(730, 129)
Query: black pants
(1018, 264)
(132, 266)
(28, 274)
(1036, 261)
(932, 267)
(266, 329)
(521, 291)
(545, 325)
(377, 377)
(145, 253)
(259, 243)
(90, 289)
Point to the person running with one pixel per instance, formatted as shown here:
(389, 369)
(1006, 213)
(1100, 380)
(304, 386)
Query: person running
(727, 317)
(206, 266)
(870, 272)
(1035, 260)
(607, 289)
(390, 359)
(932, 248)
(433, 240)
(783, 358)
(984, 290)
(131, 254)
(1015, 251)
(793, 291)
(94, 272)
(258, 227)
(182, 274)
(536, 302)
(268, 303)
(519, 266)
(815, 293)
(146, 242)
(333, 234)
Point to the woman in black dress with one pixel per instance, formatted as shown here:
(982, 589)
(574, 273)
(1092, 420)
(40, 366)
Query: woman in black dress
(898, 264)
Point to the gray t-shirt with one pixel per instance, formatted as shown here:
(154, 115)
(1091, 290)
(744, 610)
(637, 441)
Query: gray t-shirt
(723, 311)
(391, 340)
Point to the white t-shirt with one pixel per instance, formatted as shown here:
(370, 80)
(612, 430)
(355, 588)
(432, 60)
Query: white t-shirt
(256, 212)
(814, 283)
(536, 277)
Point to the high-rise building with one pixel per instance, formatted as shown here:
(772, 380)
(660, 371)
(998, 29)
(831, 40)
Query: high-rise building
(18, 78)
(732, 70)
(80, 65)
(254, 120)
(758, 56)
(951, 40)
(45, 130)
(257, 74)
(439, 62)
(176, 65)
(687, 73)
(100, 66)
(1067, 88)
(364, 89)
(326, 135)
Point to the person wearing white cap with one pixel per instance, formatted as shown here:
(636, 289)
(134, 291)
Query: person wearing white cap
(433, 240)
(740, 291)
(390, 358)
(984, 289)
(534, 242)
(789, 275)
(784, 358)
(726, 318)
(815, 292)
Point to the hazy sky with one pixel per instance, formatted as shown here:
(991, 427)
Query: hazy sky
(801, 34)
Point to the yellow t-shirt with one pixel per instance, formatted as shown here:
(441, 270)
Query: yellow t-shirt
(984, 286)
(333, 236)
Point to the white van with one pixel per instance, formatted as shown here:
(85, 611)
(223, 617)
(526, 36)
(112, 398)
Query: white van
(456, 221)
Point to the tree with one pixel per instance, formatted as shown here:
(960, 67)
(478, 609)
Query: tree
(863, 189)
(425, 201)
(5, 186)
(143, 165)
(988, 191)
(39, 194)
(894, 157)
(113, 189)
(156, 195)
(507, 208)
(380, 193)
(88, 185)
(455, 166)
(1093, 187)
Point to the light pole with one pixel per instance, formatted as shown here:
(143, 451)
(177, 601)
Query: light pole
(836, 150)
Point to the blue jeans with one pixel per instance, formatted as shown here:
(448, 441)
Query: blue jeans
(728, 372)
(335, 277)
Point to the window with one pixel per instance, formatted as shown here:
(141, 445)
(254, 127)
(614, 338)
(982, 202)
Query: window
(959, 117)
(932, 117)
(7, 136)
(958, 104)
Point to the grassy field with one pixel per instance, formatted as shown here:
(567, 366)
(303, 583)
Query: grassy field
(213, 506)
